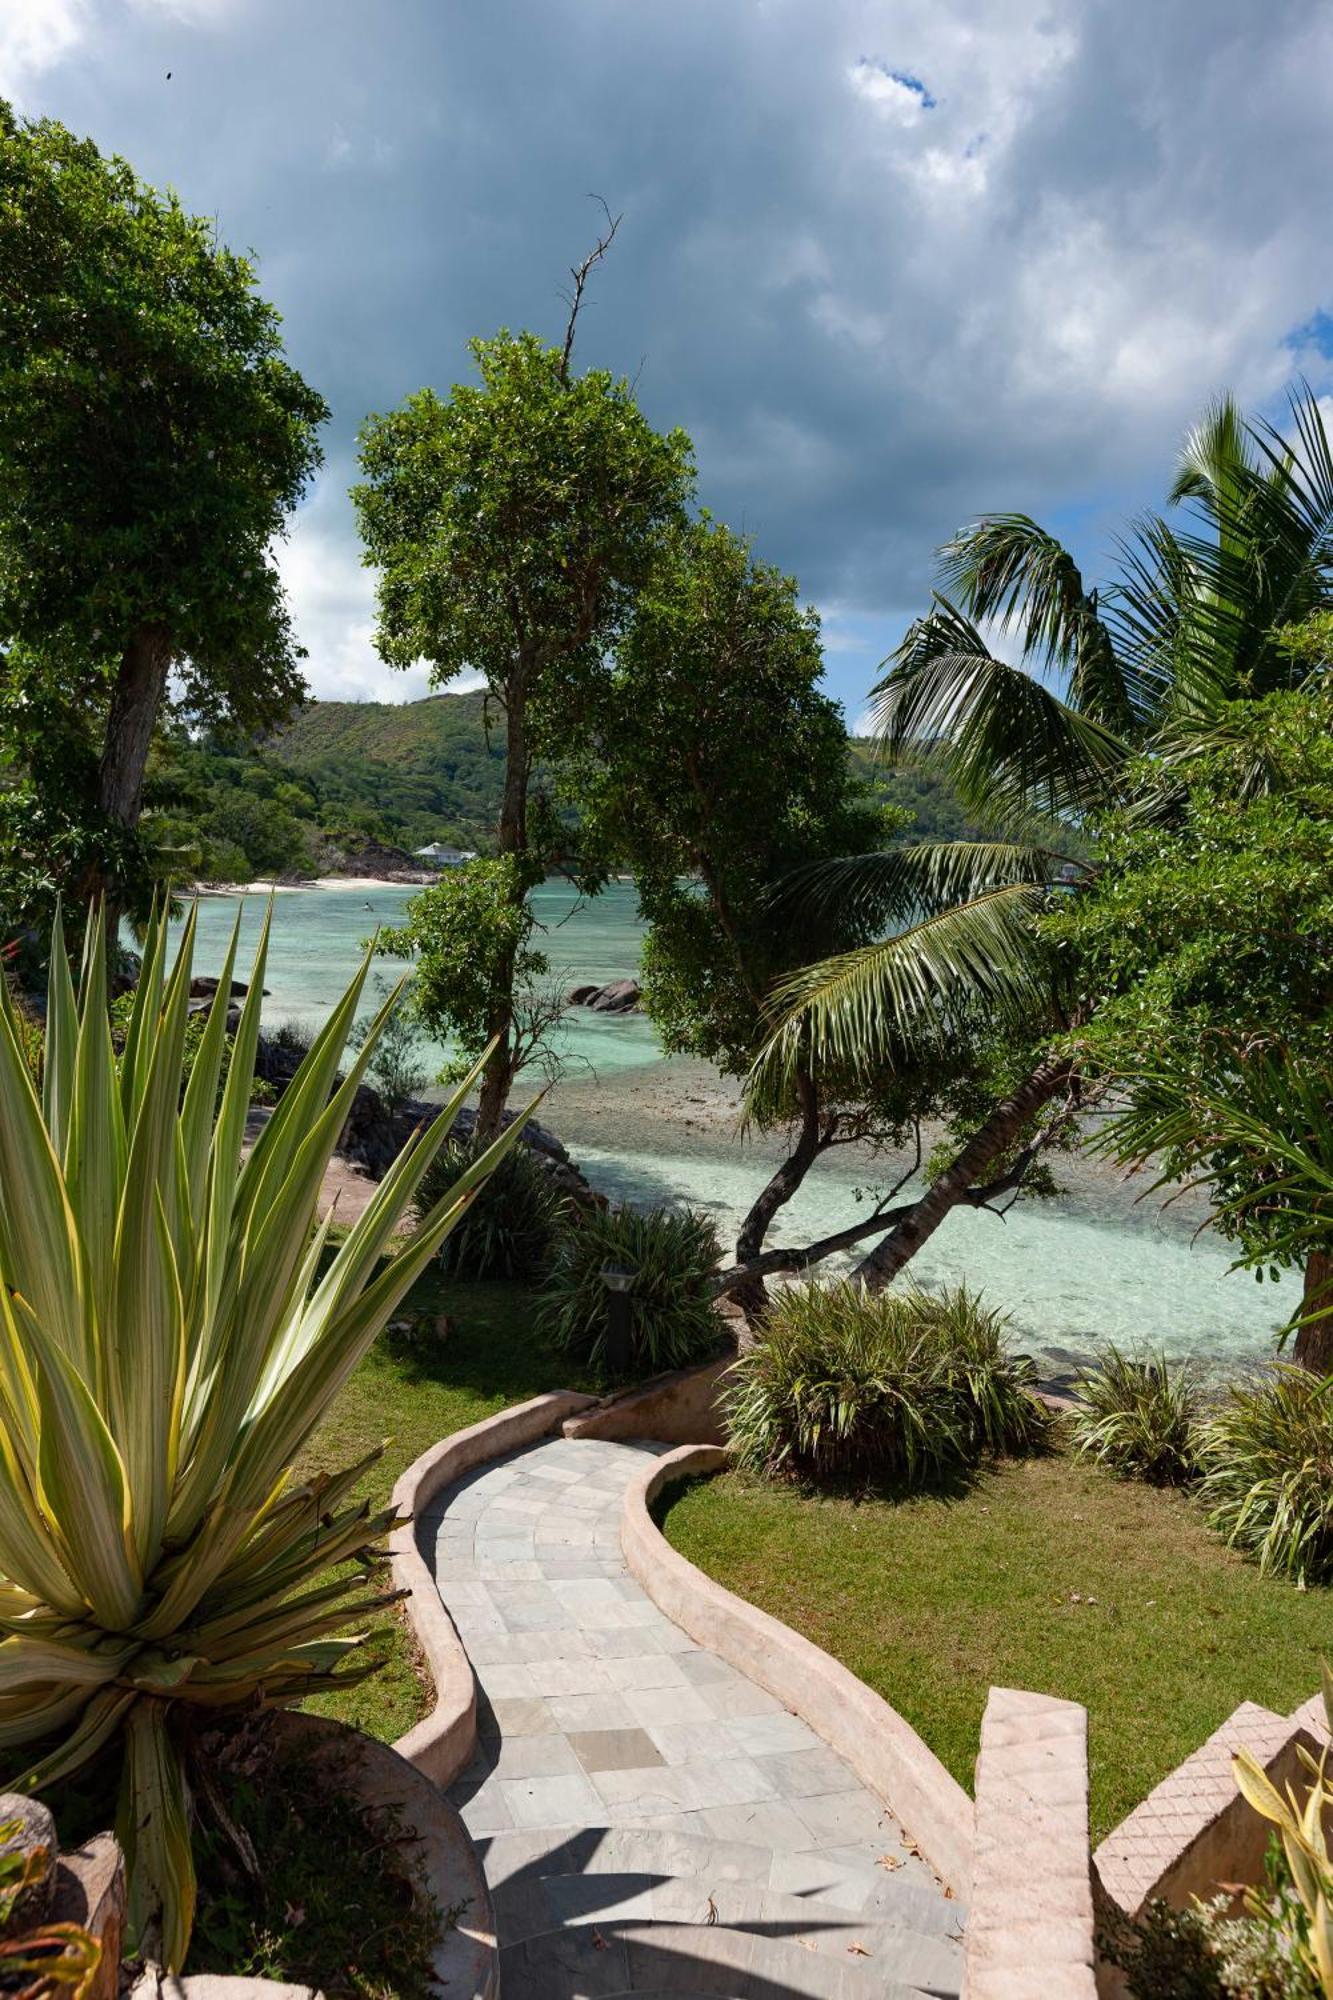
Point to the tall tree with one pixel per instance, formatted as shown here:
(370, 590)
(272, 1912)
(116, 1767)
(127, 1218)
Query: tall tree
(152, 440)
(512, 524)
(1142, 671)
(715, 767)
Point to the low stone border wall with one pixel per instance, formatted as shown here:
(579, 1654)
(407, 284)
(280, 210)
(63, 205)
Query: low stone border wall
(442, 1743)
(1195, 1830)
(679, 1408)
(884, 1751)
(1030, 1928)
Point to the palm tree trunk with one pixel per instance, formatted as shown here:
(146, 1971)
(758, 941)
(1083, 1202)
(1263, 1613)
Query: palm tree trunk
(751, 1294)
(1314, 1337)
(960, 1180)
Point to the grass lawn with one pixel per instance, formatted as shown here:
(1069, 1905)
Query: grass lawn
(491, 1358)
(1047, 1575)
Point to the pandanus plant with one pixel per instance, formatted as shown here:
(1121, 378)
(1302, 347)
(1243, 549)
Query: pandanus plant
(171, 1333)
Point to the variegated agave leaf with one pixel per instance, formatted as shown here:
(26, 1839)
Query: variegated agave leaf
(169, 1340)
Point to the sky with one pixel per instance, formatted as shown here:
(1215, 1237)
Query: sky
(892, 263)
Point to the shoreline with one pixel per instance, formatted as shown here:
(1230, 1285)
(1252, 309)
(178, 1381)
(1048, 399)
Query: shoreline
(338, 884)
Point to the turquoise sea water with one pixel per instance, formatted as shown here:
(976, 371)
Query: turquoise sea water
(1094, 1265)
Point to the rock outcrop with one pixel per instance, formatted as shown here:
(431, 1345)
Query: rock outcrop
(621, 996)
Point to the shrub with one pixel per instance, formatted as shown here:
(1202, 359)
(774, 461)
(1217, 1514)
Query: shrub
(672, 1322)
(1137, 1416)
(906, 1387)
(167, 1347)
(1266, 1455)
(514, 1222)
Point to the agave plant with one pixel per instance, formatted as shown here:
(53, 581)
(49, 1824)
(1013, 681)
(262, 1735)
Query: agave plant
(169, 1339)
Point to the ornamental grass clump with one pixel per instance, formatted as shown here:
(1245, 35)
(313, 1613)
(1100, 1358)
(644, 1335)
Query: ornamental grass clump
(514, 1223)
(672, 1254)
(171, 1333)
(1137, 1415)
(908, 1388)
(1266, 1454)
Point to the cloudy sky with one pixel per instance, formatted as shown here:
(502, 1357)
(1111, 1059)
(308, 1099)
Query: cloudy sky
(891, 262)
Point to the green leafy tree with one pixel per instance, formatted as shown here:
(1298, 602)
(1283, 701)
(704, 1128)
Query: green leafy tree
(152, 440)
(1105, 680)
(1203, 957)
(715, 768)
(512, 524)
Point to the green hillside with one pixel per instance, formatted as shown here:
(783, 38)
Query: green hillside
(406, 772)
(343, 774)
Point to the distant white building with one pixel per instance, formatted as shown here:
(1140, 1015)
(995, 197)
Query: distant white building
(440, 855)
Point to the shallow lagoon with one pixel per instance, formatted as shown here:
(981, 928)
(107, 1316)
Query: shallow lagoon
(1097, 1264)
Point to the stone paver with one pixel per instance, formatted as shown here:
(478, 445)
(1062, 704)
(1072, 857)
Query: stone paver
(604, 1732)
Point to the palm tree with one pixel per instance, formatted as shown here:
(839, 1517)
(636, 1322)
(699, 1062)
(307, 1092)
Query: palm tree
(1104, 681)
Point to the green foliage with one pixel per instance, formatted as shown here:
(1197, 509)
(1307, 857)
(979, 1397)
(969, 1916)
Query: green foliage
(464, 932)
(1101, 681)
(1266, 1454)
(1210, 1951)
(514, 1222)
(906, 1388)
(672, 1252)
(167, 1346)
(722, 663)
(1202, 953)
(152, 436)
(50, 1957)
(1136, 1415)
(523, 511)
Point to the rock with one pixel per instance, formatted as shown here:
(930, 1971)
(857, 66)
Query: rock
(620, 997)
(204, 988)
(34, 1832)
(90, 1890)
(581, 996)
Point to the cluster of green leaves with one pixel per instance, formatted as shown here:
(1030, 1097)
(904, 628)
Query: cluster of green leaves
(1266, 1455)
(464, 932)
(672, 1253)
(1136, 1415)
(722, 663)
(910, 1389)
(152, 435)
(514, 1224)
(1203, 956)
(522, 509)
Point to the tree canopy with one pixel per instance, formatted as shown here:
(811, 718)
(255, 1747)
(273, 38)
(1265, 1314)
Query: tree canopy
(511, 525)
(153, 439)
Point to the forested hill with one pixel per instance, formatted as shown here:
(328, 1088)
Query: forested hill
(341, 774)
(408, 771)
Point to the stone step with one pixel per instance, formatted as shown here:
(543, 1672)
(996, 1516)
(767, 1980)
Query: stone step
(591, 1962)
(845, 1879)
(530, 1907)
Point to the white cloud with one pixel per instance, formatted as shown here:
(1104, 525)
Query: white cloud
(894, 93)
(34, 36)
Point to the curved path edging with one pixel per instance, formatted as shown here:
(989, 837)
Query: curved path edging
(881, 1747)
(442, 1743)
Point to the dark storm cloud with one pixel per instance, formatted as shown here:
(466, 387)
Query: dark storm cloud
(889, 264)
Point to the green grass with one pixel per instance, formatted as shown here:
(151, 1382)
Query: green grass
(491, 1358)
(1047, 1575)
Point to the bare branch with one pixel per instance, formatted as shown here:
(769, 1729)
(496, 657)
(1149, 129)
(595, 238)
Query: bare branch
(579, 273)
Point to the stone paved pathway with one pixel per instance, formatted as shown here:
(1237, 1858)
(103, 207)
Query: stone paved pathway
(650, 1820)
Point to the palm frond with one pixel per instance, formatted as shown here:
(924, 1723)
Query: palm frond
(865, 1008)
(1009, 745)
(1006, 567)
(904, 884)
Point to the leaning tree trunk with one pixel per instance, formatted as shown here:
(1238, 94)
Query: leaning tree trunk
(988, 1144)
(1314, 1336)
(751, 1294)
(136, 702)
(498, 1076)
